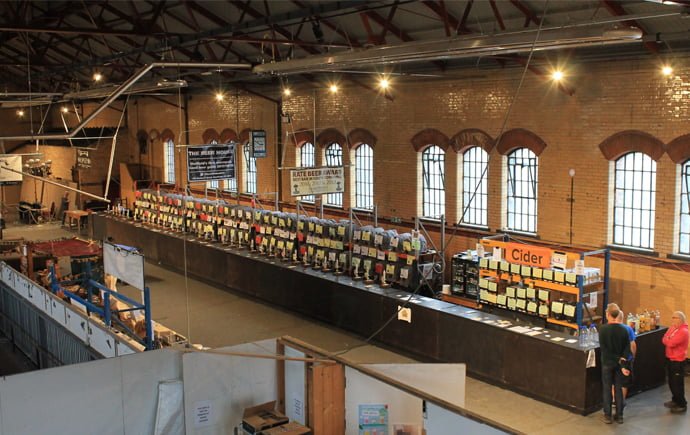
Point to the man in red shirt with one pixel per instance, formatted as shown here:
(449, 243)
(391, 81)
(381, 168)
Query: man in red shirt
(676, 342)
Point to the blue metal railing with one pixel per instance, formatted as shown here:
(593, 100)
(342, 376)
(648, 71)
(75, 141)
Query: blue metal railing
(105, 312)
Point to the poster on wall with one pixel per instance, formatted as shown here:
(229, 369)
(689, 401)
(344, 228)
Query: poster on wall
(259, 143)
(11, 162)
(316, 181)
(83, 159)
(211, 162)
(373, 419)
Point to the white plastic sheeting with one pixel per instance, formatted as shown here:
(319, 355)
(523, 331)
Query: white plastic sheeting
(170, 411)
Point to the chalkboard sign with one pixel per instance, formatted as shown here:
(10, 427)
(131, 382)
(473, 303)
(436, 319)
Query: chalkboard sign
(211, 162)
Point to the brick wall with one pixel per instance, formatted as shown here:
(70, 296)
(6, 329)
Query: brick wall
(609, 97)
(238, 112)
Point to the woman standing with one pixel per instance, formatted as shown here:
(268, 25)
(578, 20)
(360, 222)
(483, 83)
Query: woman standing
(676, 342)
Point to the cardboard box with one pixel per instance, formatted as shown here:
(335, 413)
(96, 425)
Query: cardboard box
(261, 417)
(291, 428)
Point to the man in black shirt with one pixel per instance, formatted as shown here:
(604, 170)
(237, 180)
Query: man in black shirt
(615, 347)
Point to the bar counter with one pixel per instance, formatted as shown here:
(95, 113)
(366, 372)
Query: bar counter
(547, 365)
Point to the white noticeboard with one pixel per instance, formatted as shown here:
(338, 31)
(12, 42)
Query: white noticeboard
(317, 181)
(12, 162)
(124, 263)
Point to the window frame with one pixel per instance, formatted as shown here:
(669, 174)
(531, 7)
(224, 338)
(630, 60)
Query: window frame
(333, 157)
(633, 193)
(428, 191)
(250, 170)
(529, 204)
(169, 161)
(684, 196)
(475, 169)
(301, 154)
(230, 184)
(364, 177)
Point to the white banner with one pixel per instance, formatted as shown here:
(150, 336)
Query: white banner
(125, 263)
(317, 181)
(12, 162)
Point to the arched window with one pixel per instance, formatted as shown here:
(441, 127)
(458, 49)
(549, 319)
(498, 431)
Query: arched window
(684, 227)
(306, 159)
(475, 186)
(334, 158)
(364, 177)
(212, 184)
(522, 191)
(634, 199)
(249, 169)
(230, 184)
(433, 182)
(169, 161)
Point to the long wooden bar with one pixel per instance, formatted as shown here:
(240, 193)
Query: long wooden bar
(545, 366)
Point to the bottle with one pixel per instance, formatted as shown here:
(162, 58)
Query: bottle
(594, 335)
(657, 316)
(586, 337)
(581, 337)
(631, 320)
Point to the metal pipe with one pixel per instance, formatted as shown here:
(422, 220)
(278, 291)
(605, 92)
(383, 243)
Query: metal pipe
(455, 48)
(30, 94)
(112, 151)
(49, 181)
(120, 90)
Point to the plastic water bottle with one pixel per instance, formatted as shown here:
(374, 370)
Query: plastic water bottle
(594, 335)
(588, 337)
(582, 337)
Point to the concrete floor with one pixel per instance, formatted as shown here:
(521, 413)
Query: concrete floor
(215, 317)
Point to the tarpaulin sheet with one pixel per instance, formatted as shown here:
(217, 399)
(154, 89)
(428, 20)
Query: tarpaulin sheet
(68, 248)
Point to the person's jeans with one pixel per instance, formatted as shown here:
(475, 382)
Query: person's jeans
(676, 381)
(612, 376)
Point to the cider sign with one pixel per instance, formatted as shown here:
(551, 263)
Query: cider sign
(528, 255)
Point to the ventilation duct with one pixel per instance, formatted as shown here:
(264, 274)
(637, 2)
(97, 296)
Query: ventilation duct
(455, 48)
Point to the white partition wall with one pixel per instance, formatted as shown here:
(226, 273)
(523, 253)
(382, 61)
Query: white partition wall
(109, 396)
(443, 381)
(440, 421)
(295, 387)
(403, 408)
(217, 388)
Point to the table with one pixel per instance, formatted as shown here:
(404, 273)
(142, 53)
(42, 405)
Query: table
(537, 366)
(73, 216)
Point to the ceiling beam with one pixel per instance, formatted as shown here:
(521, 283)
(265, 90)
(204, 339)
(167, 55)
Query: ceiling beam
(616, 9)
(399, 33)
(465, 15)
(389, 19)
(527, 12)
(371, 37)
(280, 29)
(439, 9)
(352, 41)
(174, 43)
(497, 14)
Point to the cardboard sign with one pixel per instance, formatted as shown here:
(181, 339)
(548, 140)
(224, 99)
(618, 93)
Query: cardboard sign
(316, 181)
(528, 255)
